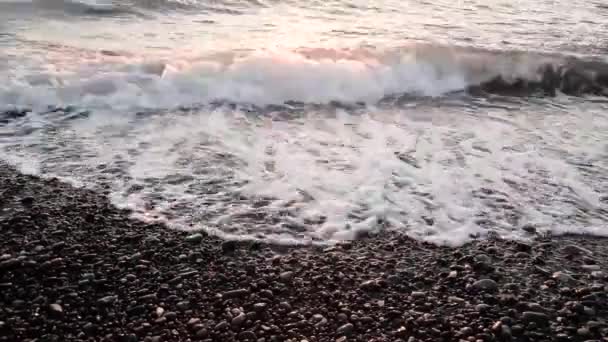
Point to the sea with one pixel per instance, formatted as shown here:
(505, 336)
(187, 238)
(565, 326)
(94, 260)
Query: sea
(309, 121)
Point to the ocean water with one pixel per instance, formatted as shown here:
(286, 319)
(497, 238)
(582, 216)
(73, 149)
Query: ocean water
(312, 121)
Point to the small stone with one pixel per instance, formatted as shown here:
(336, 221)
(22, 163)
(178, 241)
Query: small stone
(598, 274)
(247, 335)
(259, 307)
(483, 258)
(194, 238)
(193, 321)
(136, 310)
(591, 268)
(505, 332)
(235, 293)
(457, 300)
(584, 332)
(485, 285)
(418, 294)
(535, 317)
(466, 331)
(170, 316)
(341, 317)
(370, 285)
(107, 300)
(482, 307)
(286, 276)
(228, 246)
(528, 228)
(89, 328)
(453, 274)
(182, 306)
(56, 309)
(202, 333)
(573, 250)
(159, 311)
(497, 326)
(345, 330)
(589, 311)
(9, 264)
(285, 306)
(239, 320)
(563, 278)
(223, 325)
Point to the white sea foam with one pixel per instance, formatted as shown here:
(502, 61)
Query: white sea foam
(440, 172)
(260, 78)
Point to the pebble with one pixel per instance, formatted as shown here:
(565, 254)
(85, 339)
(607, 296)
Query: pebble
(370, 285)
(485, 285)
(598, 274)
(591, 268)
(235, 293)
(563, 278)
(223, 325)
(56, 309)
(536, 317)
(482, 307)
(584, 332)
(528, 228)
(454, 299)
(259, 307)
(345, 330)
(247, 335)
(194, 238)
(286, 276)
(238, 320)
(107, 300)
(418, 294)
(573, 250)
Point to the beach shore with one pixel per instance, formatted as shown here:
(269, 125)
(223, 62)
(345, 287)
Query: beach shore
(75, 268)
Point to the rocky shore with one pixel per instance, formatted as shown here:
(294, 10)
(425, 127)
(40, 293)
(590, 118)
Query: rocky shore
(74, 268)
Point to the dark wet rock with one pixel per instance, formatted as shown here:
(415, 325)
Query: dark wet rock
(345, 330)
(259, 307)
(370, 285)
(286, 276)
(247, 336)
(107, 300)
(488, 285)
(223, 325)
(573, 250)
(194, 238)
(229, 246)
(56, 309)
(563, 278)
(236, 293)
(536, 317)
(530, 229)
(239, 320)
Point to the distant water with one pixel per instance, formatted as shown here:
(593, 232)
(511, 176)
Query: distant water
(311, 120)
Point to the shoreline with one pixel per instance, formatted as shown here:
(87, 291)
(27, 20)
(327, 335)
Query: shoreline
(75, 268)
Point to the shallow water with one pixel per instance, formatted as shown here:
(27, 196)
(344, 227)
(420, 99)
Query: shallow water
(314, 120)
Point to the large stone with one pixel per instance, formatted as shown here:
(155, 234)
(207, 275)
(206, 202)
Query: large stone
(488, 285)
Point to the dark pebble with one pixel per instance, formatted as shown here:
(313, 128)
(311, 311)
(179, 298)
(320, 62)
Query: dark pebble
(485, 285)
(236, 293)
(535, 317)
(345, 330)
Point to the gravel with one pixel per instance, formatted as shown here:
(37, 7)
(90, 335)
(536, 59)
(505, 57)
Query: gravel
(75, 268)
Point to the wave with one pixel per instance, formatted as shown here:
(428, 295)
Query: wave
(119, 81)
(117, 8)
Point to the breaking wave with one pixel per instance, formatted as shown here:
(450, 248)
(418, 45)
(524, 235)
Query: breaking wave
(113, 80)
